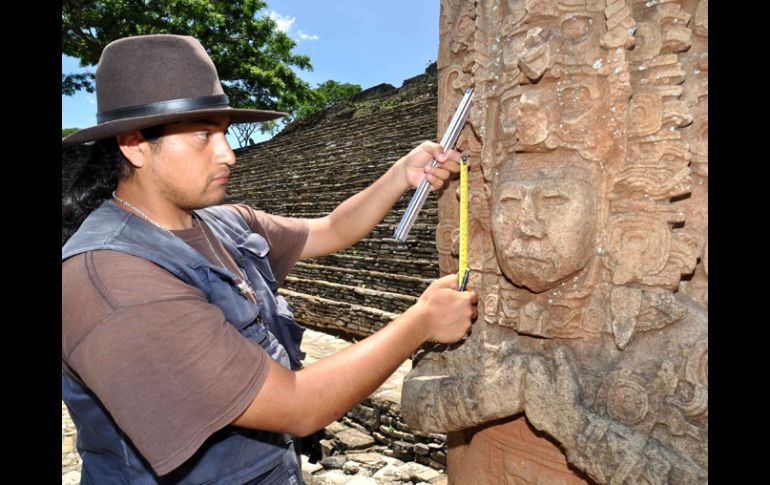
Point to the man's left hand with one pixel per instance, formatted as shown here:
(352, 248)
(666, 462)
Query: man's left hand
(417, 165)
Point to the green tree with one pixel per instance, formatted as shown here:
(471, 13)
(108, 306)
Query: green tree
(68, 131)
(254, 59)
(243, 131)
(324, 96)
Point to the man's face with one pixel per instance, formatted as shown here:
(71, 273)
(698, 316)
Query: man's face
(191, 164)
(543, 224)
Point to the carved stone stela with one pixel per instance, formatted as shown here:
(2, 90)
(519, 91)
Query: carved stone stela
(587, 244)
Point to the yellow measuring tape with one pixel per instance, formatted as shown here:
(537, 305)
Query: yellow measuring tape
(463, 220)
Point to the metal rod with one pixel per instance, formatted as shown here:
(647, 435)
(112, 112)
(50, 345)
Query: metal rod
(447, 142)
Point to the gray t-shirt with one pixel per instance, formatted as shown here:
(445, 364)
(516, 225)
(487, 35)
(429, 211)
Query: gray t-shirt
(163, 360)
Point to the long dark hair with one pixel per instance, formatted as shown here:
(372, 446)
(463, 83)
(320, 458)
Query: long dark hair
(95, 180)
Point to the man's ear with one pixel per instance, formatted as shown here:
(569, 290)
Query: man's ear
(134, 147)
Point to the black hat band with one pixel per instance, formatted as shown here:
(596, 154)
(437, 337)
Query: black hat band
(163, 107)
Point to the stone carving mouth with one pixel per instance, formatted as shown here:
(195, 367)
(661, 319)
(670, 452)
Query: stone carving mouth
(541, 260)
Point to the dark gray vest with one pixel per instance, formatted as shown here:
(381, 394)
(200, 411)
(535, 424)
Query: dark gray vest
(232, 455)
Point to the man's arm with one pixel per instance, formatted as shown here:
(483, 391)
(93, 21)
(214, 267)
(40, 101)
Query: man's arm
(301, 402)
(352, 220)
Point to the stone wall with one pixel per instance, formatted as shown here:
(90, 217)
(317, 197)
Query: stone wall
(376, 422)
(314, 165)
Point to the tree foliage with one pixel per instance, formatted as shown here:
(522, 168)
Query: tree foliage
(243, 132)
(324, 96)
(254, 59)
(71, 83)
(68, 131)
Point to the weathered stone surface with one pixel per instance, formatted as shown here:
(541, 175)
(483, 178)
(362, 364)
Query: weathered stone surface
(381, 438)
(327, 447)
(71, 478)
(361, 480)
(403, 448)
(367, 458)
(351, 467)
(395, 434)
(70, 459)
(330, 477)
(440, 457)
(420, 473)
(388, 401)
(334, 462)
(366, 415)
(334, 428)
(392, 473)
(352, 439)
(588, 242)
(309, 468)
(352, 424)
(421, 449)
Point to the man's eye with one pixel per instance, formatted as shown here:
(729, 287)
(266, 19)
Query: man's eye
(203, 135)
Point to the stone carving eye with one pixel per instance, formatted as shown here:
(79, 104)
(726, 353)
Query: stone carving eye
(510, 199)
(576, 29)
(553, 200)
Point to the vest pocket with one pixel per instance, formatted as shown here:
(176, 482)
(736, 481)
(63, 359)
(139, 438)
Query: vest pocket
(239, 311)
(289, 330)
(256, 250)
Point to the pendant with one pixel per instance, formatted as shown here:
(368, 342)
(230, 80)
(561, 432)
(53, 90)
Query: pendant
(246, 290)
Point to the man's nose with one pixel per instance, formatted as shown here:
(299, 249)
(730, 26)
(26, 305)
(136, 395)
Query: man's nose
(224, 153)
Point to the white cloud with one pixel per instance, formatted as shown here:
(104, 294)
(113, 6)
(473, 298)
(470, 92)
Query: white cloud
(305, 36)
(284, 22)
(92, 100)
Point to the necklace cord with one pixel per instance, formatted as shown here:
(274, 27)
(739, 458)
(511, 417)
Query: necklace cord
(243, 285)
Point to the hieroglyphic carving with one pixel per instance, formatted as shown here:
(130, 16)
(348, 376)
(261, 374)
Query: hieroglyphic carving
(588, 231)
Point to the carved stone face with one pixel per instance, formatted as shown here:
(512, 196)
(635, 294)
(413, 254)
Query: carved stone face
(543, 221)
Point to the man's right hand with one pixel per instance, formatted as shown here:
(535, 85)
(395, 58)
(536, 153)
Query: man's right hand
(304, 401)
(446, 312)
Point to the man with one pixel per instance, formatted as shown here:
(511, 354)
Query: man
(176, 348)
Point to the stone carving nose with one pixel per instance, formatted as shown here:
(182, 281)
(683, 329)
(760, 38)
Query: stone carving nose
(529, 224)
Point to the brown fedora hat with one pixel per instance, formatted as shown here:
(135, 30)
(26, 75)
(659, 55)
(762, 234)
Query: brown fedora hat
(151, 80)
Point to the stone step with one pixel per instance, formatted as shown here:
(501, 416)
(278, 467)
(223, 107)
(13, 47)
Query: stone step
(423, 268)
(375, 280)
(384, 300)
(427, 220)
(334, 316)
(292, 204)
(384, 147)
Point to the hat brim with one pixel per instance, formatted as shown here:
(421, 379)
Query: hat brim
(114, 128)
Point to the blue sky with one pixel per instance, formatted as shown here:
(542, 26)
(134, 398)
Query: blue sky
(351, 41)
